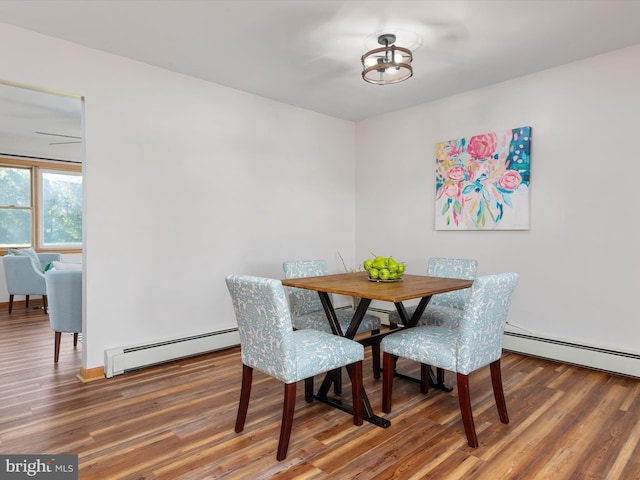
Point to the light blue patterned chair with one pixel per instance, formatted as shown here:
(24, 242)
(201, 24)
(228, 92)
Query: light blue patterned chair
(307, 310)
(474, 343)
(64, 289)
(24, 275)
(269, 344)
(445, 308)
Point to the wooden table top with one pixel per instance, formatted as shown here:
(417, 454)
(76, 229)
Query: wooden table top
(358, 285)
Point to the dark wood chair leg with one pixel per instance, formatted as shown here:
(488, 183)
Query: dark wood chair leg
(388, 368)
(26, 301)
(355, 372)
(498, 392)
(425, 378)
(10, 303)
(75, 339)
(337, 381)
(465, 409)
(308, 389)
(45, 303)
(375, 353)
(56, 346)
(287, 420)
(245, 393)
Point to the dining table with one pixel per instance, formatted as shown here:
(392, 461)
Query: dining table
(358, 285)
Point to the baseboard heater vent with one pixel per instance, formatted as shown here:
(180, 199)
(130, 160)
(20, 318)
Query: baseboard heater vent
(625, 363)
(124, 359)
(381, 313)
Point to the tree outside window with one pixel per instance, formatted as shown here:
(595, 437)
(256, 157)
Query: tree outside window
(40, 206)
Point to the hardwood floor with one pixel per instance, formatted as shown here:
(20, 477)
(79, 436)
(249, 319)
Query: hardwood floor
(176, 421)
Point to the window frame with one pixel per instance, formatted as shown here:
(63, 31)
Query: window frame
(37, 167)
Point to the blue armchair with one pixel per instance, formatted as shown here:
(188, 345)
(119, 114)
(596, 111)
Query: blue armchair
(474, 343)
(64, 290)
(269, 344)
(24, 277)
(445, 308)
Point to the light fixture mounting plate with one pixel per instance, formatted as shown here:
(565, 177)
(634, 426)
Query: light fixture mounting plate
(387, 39)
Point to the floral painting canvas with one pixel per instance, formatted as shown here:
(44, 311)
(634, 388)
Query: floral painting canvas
(482, 182)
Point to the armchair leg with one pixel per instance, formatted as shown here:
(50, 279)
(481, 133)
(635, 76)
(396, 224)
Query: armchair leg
(498, 392)
(465, 409)
(45, 304)
(425, 378)
(308, 389)
(10, 303)
(337, 381)
(75, 339)
(56, 346)
(388, 368)
(26, 301)
(245, 393)
(355, 372)
(287, 420)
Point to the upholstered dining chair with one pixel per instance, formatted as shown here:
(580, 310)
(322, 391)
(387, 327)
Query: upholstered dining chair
(269, 344)
(307, 311)
(64, 290)
(23, 272)
(445, 308)
(474, 343)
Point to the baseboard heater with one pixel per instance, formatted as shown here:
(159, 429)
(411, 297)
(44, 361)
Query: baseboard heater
(124, 359)
(624, 363)
(381, 313)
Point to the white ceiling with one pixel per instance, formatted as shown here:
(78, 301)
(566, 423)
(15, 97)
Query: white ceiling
(307, 53)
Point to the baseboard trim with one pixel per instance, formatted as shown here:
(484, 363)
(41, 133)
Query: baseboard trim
(591, 356)
(91, 374)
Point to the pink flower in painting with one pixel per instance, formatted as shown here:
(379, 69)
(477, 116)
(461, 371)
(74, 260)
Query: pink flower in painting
(482, 146)
(509, 180)
(451, 190)
(456, 173)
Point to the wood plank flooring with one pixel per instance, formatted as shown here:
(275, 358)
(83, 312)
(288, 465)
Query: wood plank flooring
(175, 421)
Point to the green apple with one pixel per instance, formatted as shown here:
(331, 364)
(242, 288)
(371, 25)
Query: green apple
(401, 268)
(393, 275)
(373, 273)
(367, 264)
(384, 274)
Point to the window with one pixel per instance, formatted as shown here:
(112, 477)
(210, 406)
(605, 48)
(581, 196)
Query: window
(16, 211)
(40, 205)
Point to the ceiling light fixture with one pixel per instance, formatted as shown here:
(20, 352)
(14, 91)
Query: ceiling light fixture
(388, 64)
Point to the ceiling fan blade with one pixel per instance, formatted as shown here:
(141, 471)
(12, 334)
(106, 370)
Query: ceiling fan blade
(58, 135)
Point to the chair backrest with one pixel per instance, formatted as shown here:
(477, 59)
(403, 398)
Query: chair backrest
(303, 301)
(64, 294)
(264, 324)
(23, 277)
(482, 325)
(463, 268)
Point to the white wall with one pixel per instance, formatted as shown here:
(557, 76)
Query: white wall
(186, 182)
(579, 261)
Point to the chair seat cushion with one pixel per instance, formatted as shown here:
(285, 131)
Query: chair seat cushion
(433, 345)
(319, 352)
(438, 315)
(318, 321)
